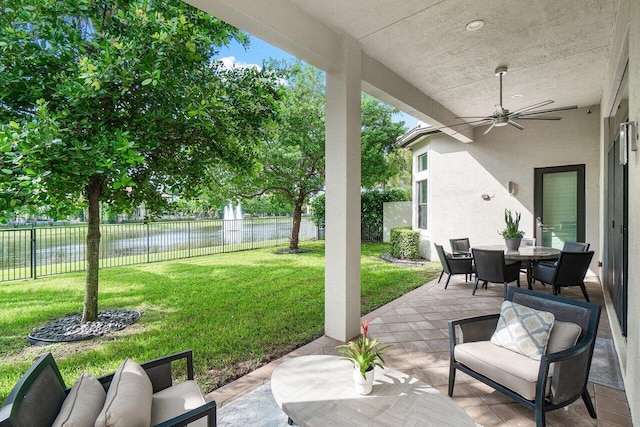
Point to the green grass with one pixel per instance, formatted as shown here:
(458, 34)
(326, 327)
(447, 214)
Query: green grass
(236, 311)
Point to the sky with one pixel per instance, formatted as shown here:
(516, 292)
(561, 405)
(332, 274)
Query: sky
(259, 50)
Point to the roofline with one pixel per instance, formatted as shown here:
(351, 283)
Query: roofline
(414, 135)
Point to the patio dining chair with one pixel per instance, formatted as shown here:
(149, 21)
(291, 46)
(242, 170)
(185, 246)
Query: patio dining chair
(570, 271)
(490, 266)
(453, 265)
(460, 246)
(567, 247)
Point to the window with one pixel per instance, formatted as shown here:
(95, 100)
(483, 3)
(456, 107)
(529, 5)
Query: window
(423, 189)
(423, 162)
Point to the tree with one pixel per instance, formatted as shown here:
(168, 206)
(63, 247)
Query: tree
(115, 102)
(381, 159)
(291, 166)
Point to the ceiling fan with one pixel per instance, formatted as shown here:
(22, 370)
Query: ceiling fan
(503, 117)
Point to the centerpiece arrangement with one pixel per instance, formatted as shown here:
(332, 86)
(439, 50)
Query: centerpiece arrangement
(512, 234)
(365, 354)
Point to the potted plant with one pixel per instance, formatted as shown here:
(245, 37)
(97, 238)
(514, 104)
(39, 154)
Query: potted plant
(512, 234)
(365, 354)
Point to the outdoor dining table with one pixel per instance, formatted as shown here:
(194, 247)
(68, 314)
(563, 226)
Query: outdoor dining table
(527, 254)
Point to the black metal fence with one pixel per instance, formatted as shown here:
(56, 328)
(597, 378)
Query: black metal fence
(44, 251)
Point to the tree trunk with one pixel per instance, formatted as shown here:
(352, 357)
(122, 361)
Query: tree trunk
(297, 219)
(94, 192)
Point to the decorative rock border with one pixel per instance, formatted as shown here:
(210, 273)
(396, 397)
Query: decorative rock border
(404, 262)
(291, 251)
(69, 329)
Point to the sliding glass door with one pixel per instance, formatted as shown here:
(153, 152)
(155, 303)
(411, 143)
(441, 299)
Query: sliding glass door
(559, 205)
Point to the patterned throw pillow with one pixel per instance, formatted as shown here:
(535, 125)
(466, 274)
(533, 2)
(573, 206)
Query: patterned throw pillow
(523, 329)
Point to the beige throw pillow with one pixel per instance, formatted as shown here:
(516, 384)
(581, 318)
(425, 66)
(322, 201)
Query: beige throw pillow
(128, 402)
(523, 329)
(564, 335)
(83, 403)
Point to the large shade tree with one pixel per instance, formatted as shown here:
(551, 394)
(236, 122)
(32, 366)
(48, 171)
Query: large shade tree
(116, 102)
(291, 162)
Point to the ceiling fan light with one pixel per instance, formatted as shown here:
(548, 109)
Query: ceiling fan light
(474, 25)
(500, 124)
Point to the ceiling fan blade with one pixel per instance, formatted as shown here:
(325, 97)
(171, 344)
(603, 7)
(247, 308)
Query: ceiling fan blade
(549, 110)
(539, 118)
(515, 124)
(489, 128)
(530, 107)
(488, 120)
(499, 110)
(473, 117)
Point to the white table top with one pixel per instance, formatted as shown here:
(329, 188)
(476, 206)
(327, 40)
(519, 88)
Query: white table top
(525, 253)
(318, 391)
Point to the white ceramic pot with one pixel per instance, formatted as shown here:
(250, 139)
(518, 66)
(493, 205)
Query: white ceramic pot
(513, 244)
(363, 385)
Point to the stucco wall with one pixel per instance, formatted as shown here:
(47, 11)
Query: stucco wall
(628, 29)
(633, 339)
(395, 214)
(460, 174)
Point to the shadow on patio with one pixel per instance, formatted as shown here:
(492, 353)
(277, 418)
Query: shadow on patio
(416, 325)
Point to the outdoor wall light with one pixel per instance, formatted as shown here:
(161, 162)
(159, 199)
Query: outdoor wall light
(513, 188)
(628, 140)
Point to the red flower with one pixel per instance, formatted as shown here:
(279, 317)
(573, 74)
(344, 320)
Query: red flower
(365, 325)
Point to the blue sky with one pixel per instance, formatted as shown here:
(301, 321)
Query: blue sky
(259, 50)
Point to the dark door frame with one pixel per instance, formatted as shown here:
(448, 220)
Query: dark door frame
(581, 199)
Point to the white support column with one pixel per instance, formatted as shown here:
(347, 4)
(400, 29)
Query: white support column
(342, 146)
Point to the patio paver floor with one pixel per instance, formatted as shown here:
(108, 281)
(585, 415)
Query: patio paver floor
(416, 325)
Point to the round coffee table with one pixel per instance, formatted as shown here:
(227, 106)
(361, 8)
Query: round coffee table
(318, 391)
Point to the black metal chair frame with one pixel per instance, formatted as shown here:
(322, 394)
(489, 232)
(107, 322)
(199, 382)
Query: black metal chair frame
(460, 246)
(454, 265)
(570, 270)
(570, 365)
(501, 277)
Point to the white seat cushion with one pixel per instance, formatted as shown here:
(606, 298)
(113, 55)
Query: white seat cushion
(177, 400)
(508, 368)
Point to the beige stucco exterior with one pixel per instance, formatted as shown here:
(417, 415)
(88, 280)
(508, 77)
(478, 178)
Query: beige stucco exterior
(395, 214)
(461, 174)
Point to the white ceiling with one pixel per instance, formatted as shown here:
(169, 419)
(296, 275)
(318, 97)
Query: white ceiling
(555, 49)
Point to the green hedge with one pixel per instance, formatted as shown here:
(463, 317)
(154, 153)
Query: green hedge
(371, 208)
(404, 243)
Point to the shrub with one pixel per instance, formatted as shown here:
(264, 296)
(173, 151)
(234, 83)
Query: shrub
(404, 243)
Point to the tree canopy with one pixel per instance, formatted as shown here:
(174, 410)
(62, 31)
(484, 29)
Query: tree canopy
(291, 162)
(117, 102)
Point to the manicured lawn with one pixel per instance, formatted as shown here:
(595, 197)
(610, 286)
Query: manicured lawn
(237, 311)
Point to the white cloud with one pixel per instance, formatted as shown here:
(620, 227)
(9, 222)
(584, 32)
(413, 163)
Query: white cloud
(230, 62)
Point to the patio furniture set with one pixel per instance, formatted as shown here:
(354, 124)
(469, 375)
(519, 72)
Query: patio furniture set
(537, 351)
(495, 264)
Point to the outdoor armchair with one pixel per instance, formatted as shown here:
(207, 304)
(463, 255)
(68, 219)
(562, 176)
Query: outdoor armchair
(453, 265)
(490, 266)
(556, 380)
(570, 270)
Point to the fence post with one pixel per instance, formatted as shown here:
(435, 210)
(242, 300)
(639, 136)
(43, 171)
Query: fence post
(189, 239)
(33, 251)
(148, 244)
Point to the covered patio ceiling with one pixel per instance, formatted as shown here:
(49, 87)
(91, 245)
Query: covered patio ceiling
(418, 55)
